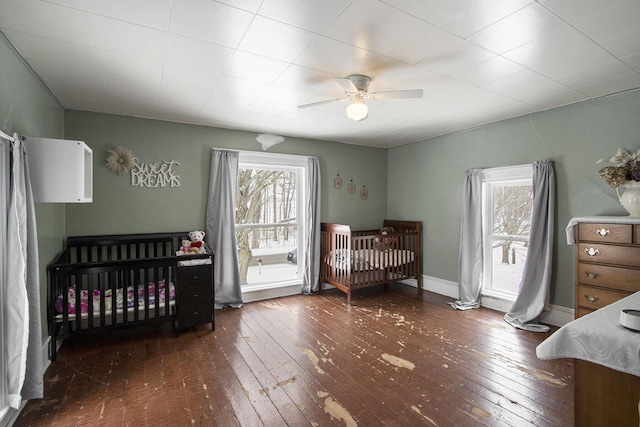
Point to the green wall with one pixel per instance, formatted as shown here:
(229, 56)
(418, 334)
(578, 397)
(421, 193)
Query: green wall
(28, 108)
(426, 178)
(119, 207)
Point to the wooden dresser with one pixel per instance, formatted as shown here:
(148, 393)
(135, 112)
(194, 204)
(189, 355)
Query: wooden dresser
(607, 270)
(607, 264)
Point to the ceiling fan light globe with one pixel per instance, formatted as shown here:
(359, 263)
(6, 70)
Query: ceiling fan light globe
(357, 111)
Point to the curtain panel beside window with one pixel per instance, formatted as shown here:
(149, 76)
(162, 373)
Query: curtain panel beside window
(220, 227)
(470, 256)
(534, 289)
(21, 284)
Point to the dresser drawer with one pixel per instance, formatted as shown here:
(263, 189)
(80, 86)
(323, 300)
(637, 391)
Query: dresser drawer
(619, 278)
(195, 315)
(194, 295)
(194, 276)
(595, 298)
(609, 254)
(605, 233)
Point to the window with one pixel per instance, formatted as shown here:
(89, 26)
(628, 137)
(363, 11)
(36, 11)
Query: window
(507, 196)
(269, 212)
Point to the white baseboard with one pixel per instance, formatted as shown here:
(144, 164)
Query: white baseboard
(440, 286)
(556, 315)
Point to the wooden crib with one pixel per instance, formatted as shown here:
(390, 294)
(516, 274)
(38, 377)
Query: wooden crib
(352, 260)
(104, 282)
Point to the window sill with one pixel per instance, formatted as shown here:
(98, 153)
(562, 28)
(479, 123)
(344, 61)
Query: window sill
(497, 300)
(262, 292)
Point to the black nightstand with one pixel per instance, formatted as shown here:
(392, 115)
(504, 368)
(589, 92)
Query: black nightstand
(194, 296)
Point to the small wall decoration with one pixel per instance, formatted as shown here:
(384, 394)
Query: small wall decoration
(364, 193)
(351, 188)
(120, 160)
(155, 174)
(337, 181)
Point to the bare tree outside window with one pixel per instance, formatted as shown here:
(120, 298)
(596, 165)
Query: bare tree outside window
(265, 213)
(511, 218)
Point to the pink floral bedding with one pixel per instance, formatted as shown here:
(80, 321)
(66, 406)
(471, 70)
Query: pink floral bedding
(108, 298)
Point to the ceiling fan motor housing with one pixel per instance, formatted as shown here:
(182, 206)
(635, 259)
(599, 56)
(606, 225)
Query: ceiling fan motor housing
(360, 82)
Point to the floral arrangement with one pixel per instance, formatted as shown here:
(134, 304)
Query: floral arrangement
(627, 168)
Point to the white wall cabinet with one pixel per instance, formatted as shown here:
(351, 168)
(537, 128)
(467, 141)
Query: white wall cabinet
(61, 170)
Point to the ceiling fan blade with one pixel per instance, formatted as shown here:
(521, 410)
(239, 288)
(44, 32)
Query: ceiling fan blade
(395, 94)
(328, 101)
(346, 84)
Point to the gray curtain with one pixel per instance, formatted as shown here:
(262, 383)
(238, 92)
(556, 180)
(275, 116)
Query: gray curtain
(470, 256)
(311, 274)
(220, 227)
(21, 305)
(533, 295)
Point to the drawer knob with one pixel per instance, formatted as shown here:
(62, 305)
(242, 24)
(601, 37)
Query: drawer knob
(195, 295)
(603, 232)
(591, 275)
(195, 277)
(195, 313)
(591, 298)
(591, 251)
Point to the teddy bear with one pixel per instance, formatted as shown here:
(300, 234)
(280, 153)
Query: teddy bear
(185, 248)
(384, 238)
(197, 241)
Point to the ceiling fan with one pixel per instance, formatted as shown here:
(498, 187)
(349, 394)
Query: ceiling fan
(356, 87)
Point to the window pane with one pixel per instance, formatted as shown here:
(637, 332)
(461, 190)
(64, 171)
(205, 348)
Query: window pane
(266, 225)
(506, 208)
(507, 264)
(512, 209)
(271, 258)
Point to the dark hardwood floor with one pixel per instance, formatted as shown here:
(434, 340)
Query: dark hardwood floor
(391, 359)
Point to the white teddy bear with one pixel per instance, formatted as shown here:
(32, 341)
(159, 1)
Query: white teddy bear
(197, 241)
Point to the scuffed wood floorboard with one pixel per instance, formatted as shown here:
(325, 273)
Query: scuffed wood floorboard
(390, 359)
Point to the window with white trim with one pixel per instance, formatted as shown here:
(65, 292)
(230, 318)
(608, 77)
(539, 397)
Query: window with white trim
(269, 218)
(507, 199)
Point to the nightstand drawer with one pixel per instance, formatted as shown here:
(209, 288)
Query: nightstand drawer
(624, 279)
(193, 276)
(605, 233)
(595, 298)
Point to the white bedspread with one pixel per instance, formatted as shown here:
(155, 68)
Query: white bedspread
(599, 338)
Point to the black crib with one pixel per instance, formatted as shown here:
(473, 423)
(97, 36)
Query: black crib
(100, 283)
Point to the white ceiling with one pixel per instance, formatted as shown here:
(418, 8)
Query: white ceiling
(247, 64)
